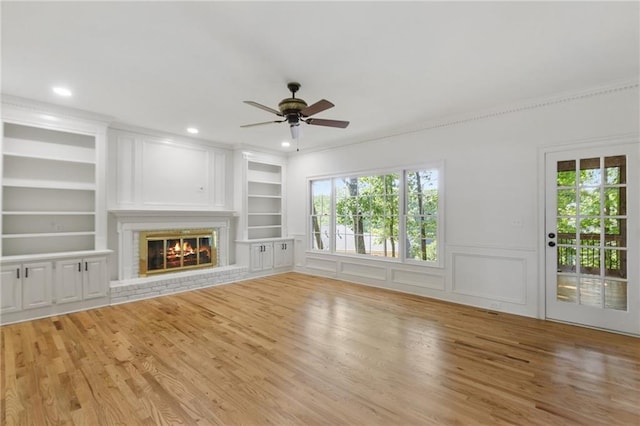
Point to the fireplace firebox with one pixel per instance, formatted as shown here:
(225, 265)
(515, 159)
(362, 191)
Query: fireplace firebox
(177, 250)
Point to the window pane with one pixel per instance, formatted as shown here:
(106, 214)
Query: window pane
(615, 263)
(566, 259)
(614, 169)
(566, 173)
(589, 201)
(422, 209)
(590, 171)
(590, 260)
(590, 230)
(615, 295)
(567, 225)
(591, 291)
(567, 290)
(615, 201)
(566, 202)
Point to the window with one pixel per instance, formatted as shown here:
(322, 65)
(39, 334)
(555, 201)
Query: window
(395, 215)
(366, 214)
(422, 214)
(320, 214)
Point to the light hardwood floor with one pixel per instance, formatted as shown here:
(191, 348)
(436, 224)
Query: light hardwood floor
(295, 349)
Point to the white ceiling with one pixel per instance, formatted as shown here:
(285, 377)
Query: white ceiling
(385, 65)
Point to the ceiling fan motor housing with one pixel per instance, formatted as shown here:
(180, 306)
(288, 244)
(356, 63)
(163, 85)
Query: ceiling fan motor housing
(291, 106)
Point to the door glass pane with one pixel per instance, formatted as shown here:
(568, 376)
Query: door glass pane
(591, 291)
(567, 288)
(566, 259)
(591, 232)
(615, 170)
(590, 171)
(615, 295)
(590, 201)
(566, 173)
(566, 202)
(615, 263)
(615, 201)
(615, 231)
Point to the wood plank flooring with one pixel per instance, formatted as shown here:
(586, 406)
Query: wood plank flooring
(295, 349)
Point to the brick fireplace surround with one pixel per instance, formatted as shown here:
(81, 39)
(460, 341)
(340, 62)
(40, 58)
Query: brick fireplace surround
(130, 286)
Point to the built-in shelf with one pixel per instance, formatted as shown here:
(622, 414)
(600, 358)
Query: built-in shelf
(47, 234)
(264, 199)
(49, 186)
(46, 213)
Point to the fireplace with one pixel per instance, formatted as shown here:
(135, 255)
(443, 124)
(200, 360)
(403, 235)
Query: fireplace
(176, 250)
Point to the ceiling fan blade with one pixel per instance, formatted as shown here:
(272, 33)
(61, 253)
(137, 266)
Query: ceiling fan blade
(266, 108)
(264, 122)
(329, 123)
(319, 106)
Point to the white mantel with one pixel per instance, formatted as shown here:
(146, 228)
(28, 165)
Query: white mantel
(131, 222)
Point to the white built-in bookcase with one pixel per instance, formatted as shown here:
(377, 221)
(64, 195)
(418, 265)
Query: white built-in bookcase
(260, 195)
(54, 254)
(49, 191)
(264, 200)
(53, 181)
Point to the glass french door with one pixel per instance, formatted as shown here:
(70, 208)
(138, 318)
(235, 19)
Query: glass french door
(591, 238)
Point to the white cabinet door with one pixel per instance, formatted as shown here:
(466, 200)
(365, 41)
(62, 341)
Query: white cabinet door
(11, 288)
(36, 285)
(68, 283)
(261, 256)
(267, 256)
(94, 279)
(256, 257)
(283, 254)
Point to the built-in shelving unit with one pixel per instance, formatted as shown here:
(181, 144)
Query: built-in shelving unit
(264, 200)
(54, 257)
(48, 191)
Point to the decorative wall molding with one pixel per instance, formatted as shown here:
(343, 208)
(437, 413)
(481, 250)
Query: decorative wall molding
(488, 276)
(66, 112)
(496, 111)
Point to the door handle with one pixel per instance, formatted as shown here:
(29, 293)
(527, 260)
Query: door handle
(552, 235)
(552, 244)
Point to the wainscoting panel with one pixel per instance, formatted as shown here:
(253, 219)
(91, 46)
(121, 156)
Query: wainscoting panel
(417, 279)
(359, 271)
(496, 274)
(322, 266)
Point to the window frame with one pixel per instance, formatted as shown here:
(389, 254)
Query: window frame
(401, 172)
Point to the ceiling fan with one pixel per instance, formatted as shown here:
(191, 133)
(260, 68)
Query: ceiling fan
(295, 110)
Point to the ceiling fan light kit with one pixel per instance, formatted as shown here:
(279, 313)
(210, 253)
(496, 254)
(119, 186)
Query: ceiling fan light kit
(295, 110)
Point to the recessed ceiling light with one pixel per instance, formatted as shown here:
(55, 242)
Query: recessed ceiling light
(192, 130)
(286, 144)
(62, 91)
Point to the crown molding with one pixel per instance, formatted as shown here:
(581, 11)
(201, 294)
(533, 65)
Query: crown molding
(33, 106)
(131, 128)
(497, 111)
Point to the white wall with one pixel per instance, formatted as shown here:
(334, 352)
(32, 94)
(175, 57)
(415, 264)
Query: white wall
(491, 195)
